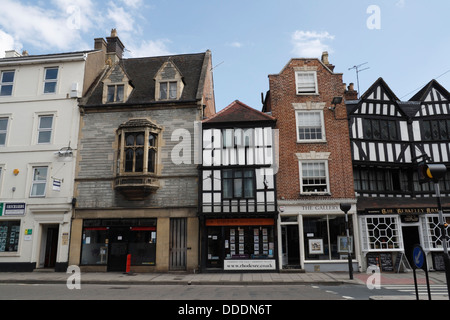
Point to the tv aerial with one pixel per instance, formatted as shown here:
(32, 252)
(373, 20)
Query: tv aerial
(358, 70)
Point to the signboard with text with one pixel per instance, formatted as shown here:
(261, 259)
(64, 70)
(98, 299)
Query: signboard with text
(12, 208)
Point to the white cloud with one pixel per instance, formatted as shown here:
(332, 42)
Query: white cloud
(133, 3)
(149, 48)
(400, 3)
(7, 42)
(122, 19)
(41, 27)
(310, 44)
(236, 44)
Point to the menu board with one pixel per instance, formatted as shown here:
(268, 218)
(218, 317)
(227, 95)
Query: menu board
(382, 260)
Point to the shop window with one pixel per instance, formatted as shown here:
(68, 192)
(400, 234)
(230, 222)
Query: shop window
(326, 239)
(98, 235)
(249, 242)
(435, 232)
(94, 246)
(380, 233)
(9, 236)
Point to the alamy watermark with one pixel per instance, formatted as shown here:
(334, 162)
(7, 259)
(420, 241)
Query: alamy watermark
(373, 22)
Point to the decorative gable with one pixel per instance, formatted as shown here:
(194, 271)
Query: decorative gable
(169, 83)
(116, 86)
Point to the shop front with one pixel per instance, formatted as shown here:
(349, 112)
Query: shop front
(109, 242)
(388, 236)
(241, 244)
(312, 237)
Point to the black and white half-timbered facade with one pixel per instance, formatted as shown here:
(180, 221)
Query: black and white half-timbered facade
(389, 139)
(237, 198)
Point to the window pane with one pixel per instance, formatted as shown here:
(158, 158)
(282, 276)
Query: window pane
(94, 251)
(163, 90)
(2, 139)
(50, 87)
(140, 138)
(40, 174)
(129, 155)
(3, 124)
(237, 187)
(227, 188)
(44, 136)
(139, 164)
(110, 94)
(6, 90)
(151, 160)
(173, 90)
(7, 76)
(51, 74)
(129, 139)
(45, 122)
(120, 93)
(151, 140)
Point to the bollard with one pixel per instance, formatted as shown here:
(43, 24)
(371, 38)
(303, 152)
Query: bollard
(128, 263)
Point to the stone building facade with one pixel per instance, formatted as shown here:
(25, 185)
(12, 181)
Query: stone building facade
(136, 181)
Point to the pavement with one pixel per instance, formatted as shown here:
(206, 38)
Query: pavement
(271, 278)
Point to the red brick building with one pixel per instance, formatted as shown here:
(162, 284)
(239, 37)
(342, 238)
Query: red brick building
(315, 166)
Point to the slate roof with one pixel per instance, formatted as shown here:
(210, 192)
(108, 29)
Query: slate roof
(142, 71)
(238, 113)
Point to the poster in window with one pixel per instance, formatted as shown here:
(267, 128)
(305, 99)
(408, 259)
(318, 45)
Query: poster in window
(343, 244)
(315, 246)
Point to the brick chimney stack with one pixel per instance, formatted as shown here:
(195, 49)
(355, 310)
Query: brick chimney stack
(351, 93)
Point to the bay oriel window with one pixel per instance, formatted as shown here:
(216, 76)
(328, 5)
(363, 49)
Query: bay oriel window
(137, 165)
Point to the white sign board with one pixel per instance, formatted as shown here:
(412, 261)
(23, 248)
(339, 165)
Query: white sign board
(249, 265)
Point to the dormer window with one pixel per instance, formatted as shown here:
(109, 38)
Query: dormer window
(116, 86)
(115, 93)
(168, 90)
(169, 82)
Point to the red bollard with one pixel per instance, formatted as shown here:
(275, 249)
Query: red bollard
(128, 263)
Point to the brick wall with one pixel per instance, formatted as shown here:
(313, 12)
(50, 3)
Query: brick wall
(282, 96)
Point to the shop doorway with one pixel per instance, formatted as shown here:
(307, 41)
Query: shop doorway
(290, 246)
(178, 244)
(118, 249)
(50, 236)
(215, 251)
(410, 239)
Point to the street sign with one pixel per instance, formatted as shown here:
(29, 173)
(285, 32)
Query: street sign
(418, 257)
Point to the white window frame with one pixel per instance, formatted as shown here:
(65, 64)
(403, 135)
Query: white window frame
(7, 83)
(327, 177)
(5, 132)
(33, 181)
(322, 126)
(39, 129)
(298, 85)
(51, 80)
(2, 169)
(371, 242)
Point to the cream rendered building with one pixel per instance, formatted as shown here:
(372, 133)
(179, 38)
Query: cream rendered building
(39, 124)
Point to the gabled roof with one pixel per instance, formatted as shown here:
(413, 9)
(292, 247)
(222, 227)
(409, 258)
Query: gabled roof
(384, 94)
(423, 93)
(142, 71)
(238, 112)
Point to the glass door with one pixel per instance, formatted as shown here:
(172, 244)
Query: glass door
(215, 251)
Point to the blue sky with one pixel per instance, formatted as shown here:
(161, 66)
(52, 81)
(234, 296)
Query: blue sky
(404, 41)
